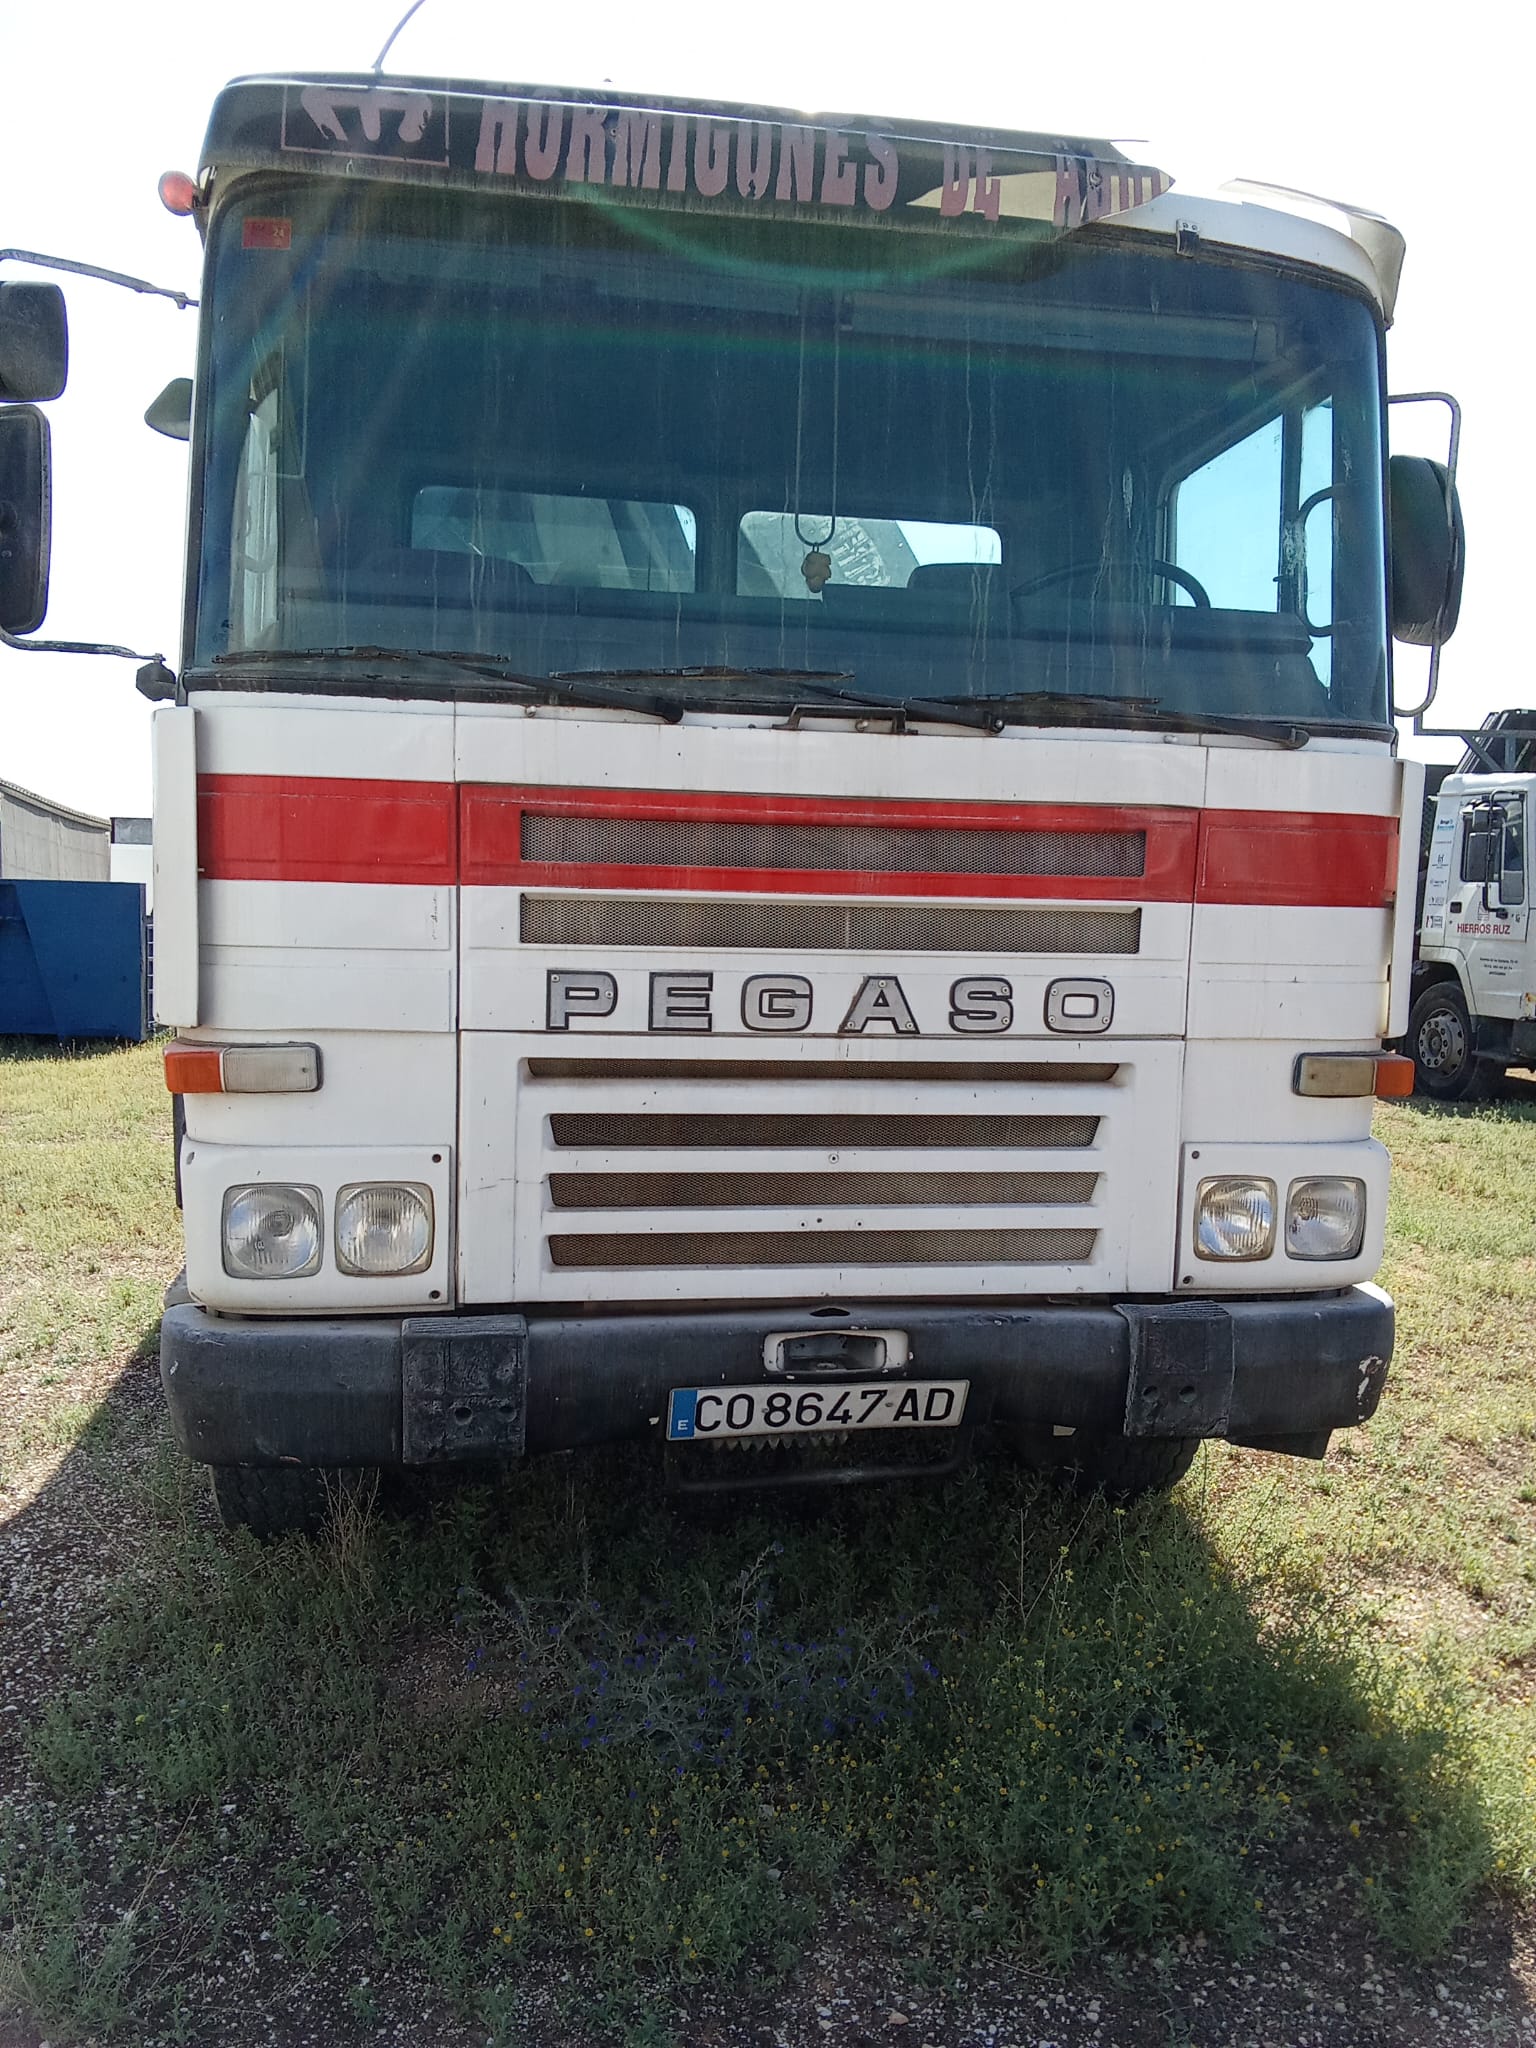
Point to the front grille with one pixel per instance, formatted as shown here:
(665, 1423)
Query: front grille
(839, 849)
(823, 1248)
(829, 1190)
(741, 924)
(1036, 1073)
(611, 1130)
(659, 1178)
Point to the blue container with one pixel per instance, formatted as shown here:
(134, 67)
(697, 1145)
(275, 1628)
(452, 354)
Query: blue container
(73, 960)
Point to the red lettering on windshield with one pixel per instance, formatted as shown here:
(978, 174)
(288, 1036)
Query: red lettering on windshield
(955, 186)
(797, 164)
(545, 140)
(839, 180)
(880, 175)
(587, 163)
(677, 162)
(711, 159)
(754, 158)
(637, 149)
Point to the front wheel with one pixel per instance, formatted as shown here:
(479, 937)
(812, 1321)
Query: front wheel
(1445, 1067)
(1123, 1468)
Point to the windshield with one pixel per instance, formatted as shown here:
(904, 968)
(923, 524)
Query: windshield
(570, 437)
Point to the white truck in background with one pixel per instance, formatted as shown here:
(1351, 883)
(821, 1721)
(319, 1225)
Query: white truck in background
(1474, 977)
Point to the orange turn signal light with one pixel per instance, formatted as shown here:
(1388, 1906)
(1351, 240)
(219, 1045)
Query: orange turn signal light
(194, 1069)
(1394, 1077)
(1385, 1074)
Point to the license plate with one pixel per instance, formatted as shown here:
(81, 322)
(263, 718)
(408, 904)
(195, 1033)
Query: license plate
(707, 1414)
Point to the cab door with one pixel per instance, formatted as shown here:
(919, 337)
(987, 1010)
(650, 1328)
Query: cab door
(1489, 911)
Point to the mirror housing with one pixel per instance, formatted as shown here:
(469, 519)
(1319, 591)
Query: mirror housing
(25, 518)
(1476, 843)
(171, 413)
(1428, 550)
(34, 342)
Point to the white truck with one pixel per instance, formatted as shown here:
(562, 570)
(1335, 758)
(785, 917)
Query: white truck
(780, 823)
(1474, 981)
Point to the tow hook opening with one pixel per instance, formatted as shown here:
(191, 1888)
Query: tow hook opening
(845, 1353)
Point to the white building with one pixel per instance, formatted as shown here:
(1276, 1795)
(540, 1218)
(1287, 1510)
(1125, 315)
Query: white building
(41, 841)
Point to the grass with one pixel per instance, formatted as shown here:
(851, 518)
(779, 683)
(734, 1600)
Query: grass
(539, 1728)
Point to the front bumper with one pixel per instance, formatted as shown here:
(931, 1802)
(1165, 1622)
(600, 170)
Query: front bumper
(1281, 1371)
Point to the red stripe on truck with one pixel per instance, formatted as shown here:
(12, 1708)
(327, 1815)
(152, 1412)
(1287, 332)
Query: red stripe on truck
(270, 828)
(283, 828)
(1317, 859)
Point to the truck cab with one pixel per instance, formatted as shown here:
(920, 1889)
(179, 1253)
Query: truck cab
(780, 832)
(1474, 1011)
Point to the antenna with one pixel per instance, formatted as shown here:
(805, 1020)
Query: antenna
(378, 62)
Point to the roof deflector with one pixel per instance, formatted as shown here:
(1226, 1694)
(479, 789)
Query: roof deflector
(1381, 242)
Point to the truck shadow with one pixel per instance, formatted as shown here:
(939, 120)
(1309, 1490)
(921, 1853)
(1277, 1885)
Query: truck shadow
(1515, 1093)
(972, 1682)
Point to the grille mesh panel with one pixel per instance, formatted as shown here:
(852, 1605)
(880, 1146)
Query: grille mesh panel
(845, 1071)
(831, 1190)
(830, 927)
(856, 849)
(601, 1129)
(825, 1248)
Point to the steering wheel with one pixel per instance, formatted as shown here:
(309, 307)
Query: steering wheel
(1074, 572)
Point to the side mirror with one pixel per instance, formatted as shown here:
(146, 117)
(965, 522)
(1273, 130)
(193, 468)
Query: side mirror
(34, 342)
(25, 518)
(1428, 550)
(171, 413)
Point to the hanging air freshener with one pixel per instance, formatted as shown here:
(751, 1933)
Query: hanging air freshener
(817, 566)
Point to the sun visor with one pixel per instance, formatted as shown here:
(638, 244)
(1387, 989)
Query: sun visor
(692, 157)
(1381, 243)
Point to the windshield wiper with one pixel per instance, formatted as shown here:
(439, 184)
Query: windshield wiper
(824, 681)
(703, 672)
(487, 677)
(1137, 714)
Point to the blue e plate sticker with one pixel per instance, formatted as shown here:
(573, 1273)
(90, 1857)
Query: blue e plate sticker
(685, 1401)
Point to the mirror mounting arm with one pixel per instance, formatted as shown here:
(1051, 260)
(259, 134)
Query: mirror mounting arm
(1433, 398)
(181, 300)
(21, 645)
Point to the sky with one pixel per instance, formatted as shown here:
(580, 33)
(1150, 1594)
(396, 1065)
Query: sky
(1384, 106)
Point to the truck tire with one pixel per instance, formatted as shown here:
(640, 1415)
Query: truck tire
(1122, 1468)
(284, 1500)
(1445, 1067)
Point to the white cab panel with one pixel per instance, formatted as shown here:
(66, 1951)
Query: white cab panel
(1234, 1084)
(1360, 779)
(271, 733)
(396, 1084)
(1016, 766)
(175, 864)
(317, 956)
(1262, 972)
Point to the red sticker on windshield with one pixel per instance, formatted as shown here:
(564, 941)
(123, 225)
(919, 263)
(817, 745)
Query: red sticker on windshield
(267, 233)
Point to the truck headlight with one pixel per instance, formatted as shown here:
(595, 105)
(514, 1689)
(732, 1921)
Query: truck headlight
(271, 1231)
(1324, 1218)
(384, 1226)
(1234, 1217)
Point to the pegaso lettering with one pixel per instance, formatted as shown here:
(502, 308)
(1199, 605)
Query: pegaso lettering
(684, 1001)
